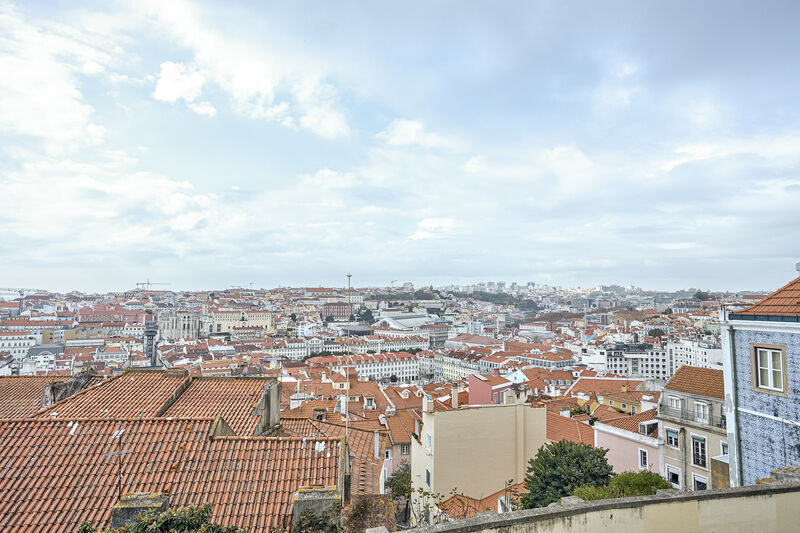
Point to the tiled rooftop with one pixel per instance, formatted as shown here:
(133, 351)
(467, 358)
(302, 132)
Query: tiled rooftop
(366, 468)
(565, 428)
(132, 394)
(232, 398)
(22, 395)
(783, 302)
(700, 381)
(55, 474)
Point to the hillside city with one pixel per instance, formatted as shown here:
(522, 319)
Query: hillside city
(452, 389)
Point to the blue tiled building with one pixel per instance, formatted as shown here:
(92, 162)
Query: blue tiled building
(761, 351)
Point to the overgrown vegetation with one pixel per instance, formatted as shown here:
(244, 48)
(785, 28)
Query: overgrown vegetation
(310, 522)
(644, 483)
(191, 519)
(561, 467)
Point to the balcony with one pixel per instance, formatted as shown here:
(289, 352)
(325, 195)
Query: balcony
(689, 416)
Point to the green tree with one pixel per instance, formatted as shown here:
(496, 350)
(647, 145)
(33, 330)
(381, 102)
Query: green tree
(626, 484)
(399, 484)
(183, 520)
(656, 332)
(702, 296)
(367, 317)
(561, 467)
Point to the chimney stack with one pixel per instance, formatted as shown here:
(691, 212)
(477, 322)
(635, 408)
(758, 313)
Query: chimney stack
(454, 396)
(269, 407)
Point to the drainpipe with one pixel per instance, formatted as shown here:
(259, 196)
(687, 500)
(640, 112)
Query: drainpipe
(735, 409)
(685, 461)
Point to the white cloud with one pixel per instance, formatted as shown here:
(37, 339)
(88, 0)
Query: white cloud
(39, 88)
(436, 228)
(203, 108)
(404, 132)
(263, 79)
(177, 81)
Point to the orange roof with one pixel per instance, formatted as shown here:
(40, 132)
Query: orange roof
(631, 423)
(366, 467)
(700, 381)
(565, 428)
(21, 396)
(232, 398)
(783, 302)
(135, 393)
(56, 473)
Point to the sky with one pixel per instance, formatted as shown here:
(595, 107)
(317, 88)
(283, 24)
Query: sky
(210, 144)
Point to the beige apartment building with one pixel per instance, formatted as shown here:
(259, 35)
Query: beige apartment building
(224, 321)
(691, 423)
(474, 450)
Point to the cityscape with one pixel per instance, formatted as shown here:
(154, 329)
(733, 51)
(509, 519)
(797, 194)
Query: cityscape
(366, 267)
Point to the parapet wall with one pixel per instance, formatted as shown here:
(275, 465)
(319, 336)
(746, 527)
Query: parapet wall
(770, 508)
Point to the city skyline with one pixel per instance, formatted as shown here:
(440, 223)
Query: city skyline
(210, 144)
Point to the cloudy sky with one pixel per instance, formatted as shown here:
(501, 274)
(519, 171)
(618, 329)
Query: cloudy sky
(210, 144)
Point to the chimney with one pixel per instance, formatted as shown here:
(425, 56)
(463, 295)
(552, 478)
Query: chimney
(132, 505)
(454, 396)
(427, 404)
(269, 407)
(797, 266)
(377, 439)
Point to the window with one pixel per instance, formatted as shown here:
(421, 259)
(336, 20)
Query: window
(674, 476)
(428, 442)
(699, 451)
(633, 409)
(428, 477)
(624, 406)
(701, 412)
(769, 372)
(724, 447)
(672, 438)
(699, 482)
(674, 402)
(643, 464)
(404, 449)
(388, 454)
(611, 403)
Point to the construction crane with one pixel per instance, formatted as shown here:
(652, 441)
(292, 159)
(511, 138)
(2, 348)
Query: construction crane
(147, 284)
(393, 282)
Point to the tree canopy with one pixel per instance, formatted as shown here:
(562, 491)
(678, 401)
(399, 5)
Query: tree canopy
(626, 484)
(561, 467)
(189, 519)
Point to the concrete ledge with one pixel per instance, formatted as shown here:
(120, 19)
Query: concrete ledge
(534, 519)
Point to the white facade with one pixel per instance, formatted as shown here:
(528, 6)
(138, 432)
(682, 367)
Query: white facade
(17, 343)
(695, 353)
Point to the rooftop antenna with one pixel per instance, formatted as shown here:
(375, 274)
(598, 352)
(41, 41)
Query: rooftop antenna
(117, 435)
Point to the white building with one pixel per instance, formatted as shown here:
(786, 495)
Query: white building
(17, 343)
(695, 353)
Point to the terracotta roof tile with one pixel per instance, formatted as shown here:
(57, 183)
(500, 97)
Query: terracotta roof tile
(232, 398)
(783, 302)
(700, 381)
(132, 394)
(55, 474)
(565, 428)
(21, 396)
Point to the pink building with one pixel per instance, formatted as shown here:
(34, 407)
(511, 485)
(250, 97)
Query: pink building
(632, 442)
(487, 390)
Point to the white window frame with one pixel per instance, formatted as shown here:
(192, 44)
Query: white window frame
(674, 469)
(770, 369)
(428, 442)
(702, 479)
(705, 449)
(674, 402)
(646, 455)
(404, 449)
(677, 437)
(723, 448)
(703, 406)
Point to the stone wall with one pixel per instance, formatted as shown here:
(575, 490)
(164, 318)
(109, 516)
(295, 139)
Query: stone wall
(770, 508)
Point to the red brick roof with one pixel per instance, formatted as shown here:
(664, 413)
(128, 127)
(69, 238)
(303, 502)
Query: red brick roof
(700, 381)
(21, 396)
(54, 474)
(135, 393)
(366, 468)
(783, 302)
(631, 423)
(232, 398)
(562, 427)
